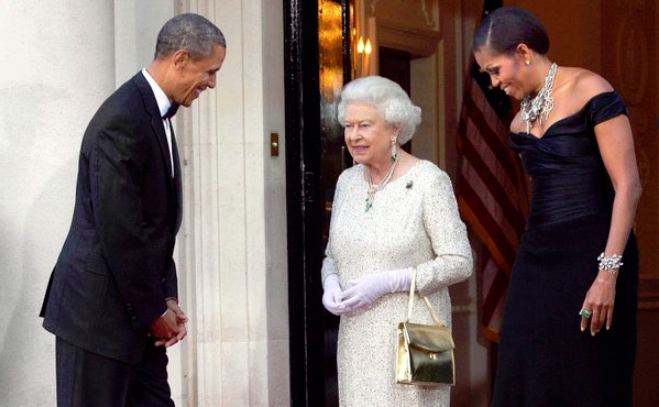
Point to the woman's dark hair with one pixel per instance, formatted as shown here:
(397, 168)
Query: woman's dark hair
(507, 27)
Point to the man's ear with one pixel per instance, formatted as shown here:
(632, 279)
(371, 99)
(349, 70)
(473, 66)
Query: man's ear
(181, 58)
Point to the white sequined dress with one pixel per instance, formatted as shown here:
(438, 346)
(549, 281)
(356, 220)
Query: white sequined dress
(414, 221)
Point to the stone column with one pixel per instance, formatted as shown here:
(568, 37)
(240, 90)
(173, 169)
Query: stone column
(58, 66)
(232, 248)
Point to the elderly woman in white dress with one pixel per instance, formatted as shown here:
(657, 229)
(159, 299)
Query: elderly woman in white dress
(392, 213)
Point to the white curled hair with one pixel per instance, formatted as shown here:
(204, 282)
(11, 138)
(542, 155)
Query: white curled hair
(388, 98)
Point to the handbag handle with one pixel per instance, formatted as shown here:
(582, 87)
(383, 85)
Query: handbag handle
(433, 314)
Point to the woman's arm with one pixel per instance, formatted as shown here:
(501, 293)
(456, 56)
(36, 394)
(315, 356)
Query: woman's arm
(616, 144)
(329, 264)
(453, 262)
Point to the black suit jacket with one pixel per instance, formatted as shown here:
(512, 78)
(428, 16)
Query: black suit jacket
(116, 269)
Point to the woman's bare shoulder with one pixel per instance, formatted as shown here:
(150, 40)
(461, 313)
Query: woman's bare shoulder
(583, 84)
(517, 125)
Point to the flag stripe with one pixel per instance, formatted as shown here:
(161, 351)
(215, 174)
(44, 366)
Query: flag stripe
(494, 286)
(485, 226)
(500, 150)
(491, 300)
(492, 193)
(499, 195)
(482, 190)
(490, 334)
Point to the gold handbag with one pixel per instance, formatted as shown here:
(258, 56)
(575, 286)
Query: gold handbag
(425, 352)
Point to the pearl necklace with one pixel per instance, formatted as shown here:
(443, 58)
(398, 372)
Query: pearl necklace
(540, 106)
(373, 188)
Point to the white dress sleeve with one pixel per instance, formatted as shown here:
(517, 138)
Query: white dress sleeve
(453, 260)
(329, 264)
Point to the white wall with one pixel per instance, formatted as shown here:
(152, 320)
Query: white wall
(233, 245)
(136, 27)
(61, 60)
(57, 67)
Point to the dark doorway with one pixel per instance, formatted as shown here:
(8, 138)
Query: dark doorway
(395, 65)
(317, 46)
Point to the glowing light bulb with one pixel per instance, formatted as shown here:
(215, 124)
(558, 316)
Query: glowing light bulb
(360, 46)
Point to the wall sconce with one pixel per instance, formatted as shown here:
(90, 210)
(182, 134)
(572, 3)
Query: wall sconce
(364, 51)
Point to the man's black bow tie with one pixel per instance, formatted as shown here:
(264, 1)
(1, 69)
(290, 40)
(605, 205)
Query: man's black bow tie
(171, 111)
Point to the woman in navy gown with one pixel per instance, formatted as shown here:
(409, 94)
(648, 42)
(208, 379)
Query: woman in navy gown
(569, 328)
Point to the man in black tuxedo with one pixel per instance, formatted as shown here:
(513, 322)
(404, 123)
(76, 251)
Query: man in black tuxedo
(112, 297)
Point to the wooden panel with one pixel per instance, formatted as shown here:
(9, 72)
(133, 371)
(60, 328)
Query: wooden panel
(411, 14)
(629, 57)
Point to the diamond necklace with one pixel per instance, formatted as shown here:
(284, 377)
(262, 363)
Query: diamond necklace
(539, 107)
(373, 188)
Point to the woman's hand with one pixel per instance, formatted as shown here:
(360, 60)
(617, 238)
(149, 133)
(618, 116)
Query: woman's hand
(332, 295)
(599, 302)
(365, 290)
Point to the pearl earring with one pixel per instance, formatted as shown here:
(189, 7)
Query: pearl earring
(528, 62)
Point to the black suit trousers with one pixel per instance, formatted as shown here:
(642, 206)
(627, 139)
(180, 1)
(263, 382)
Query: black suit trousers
(86, 379)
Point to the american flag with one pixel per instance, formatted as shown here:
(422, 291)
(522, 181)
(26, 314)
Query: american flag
(492, 190)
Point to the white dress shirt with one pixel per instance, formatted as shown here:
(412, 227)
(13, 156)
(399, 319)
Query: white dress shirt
(163, 105)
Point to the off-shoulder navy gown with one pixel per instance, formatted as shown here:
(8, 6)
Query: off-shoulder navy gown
(544, 358)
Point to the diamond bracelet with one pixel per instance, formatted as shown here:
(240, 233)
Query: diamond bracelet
(610, 264)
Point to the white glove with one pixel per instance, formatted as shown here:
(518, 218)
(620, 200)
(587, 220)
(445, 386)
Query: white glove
(365, 290)
(332, 295)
